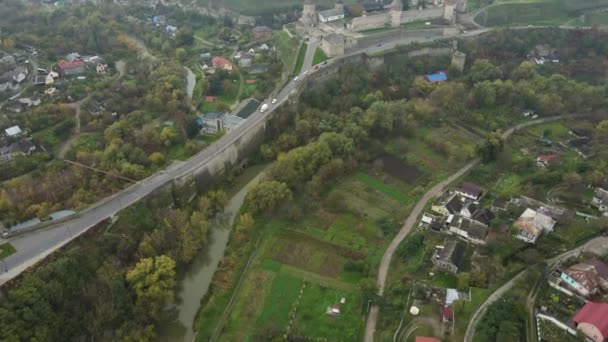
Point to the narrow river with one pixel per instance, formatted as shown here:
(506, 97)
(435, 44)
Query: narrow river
(195, 282)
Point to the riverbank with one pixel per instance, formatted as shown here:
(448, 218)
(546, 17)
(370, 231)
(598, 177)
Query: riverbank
(196, 280)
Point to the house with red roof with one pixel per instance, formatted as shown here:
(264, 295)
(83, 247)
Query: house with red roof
(545, 161)
(221, 63)
(592, 320)
(448, 314)
(70, 68)
(426, 339)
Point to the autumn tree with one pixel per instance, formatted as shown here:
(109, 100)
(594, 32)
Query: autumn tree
(153, 281)
(266, 196)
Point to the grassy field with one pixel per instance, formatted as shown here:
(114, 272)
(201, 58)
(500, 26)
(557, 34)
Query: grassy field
(6, 249)
(287, 48)
(536, 12)
(300, 61)
(319, 57)
(465, 309)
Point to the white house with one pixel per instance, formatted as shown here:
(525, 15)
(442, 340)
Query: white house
(531, 224)
(331, 15)
(12, 132)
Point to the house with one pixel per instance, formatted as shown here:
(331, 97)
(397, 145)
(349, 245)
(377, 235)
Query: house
(450, 256)
(499, 205)
(73, 68)
(469, 230)
(245, 60)
(29, 102)
(23, 147)
(483, 217)
(451, 295)
(264, 47)
(74, 56)
(261, 32)
(333, 310)
(447, 314)
(205, 55)
(426, 339)
(101, 68)
(331, 15)
(258, 68)
(531, 224)
(13, 132)
(452, 205)
(587, 278)
(250, 81)
(591, 321)
(578, 145)
(231, 122)
(221, 63)
(51, 91)
(213, 122)
(16, 75)
(600, 199)
(469, 209)
(437, 77)
(547, 160)
(210, 98)
(171, 30)
(471, 191)
(49, 79)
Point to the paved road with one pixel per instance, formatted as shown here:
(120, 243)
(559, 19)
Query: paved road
(310, 55)
(372, 318)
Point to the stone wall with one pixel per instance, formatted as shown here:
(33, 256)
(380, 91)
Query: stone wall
(370, 22)
(416, 15)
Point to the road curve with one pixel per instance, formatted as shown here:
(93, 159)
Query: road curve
(372, 318)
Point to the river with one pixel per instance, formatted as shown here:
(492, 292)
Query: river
(195, 282)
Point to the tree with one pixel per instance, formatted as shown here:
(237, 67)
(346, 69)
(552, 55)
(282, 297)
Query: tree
(266, 196)
(246, 222)
(184, 36)
(153, 281)
(411, 246)
(181, 55)
(463, 280)
(483, 70)
(157, 158)
(489, 149)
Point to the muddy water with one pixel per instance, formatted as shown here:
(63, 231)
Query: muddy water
(195, 282)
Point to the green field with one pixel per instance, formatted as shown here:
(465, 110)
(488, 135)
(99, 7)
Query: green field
(6, 249)
(536, 12)
(287, 49)
(300, 61)
(319, 57)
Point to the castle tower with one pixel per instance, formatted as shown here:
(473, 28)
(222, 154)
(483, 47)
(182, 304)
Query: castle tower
(395, 13)
(339, 5)
(310, 10)
(449, 11)
(458, 60)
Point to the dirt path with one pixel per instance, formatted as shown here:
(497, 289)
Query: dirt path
(372, 318)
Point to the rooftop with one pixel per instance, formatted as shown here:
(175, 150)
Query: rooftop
(594, 314)
(13, 131)
(452, 251)
(534, 222)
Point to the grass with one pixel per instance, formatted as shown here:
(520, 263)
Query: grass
(287, 48)
(383, 188)
(282, 295)
(312, 321)
(300, 61)
(463, 311)
(319, 57)
(6, 249)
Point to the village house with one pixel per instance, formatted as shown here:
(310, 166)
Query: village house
(469, 230)
(450, 204)
(587, 278)
(531, 224)
(221, 63)
(484, 217)
(469, 209)
(214, 122)
(471, 191)
(261, 32)
(600, 199)
(70, 68)
(591, 321)
(245, 60)
(547, 160)
(13, 132)
(23, 147)
(450, 256)
(101, 69)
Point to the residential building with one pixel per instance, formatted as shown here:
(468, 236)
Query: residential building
(231, 122)
(587, 278)
(469, 230)
(331, 15)
(447, 314)
(213, 122)
(101, 68)
(531, 224)
(600, 199)
(221, 63)
(469, 209)
(205, 55)
(592, 321)
(483, 217)
(245, 60)
(23, 147)
(547, 160)
(450, 256)
(13, 132)
(73, 68)
(499, 205)
(74, 56)
(261, 32)
(471, 191)
(451, 205)
(426, 339)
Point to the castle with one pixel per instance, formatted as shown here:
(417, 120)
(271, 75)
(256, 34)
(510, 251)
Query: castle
(395, 16)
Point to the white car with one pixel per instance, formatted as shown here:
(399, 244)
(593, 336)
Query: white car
(273, 101)
(306, 72)
(296, 79)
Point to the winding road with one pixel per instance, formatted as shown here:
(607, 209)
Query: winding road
(410, 222)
